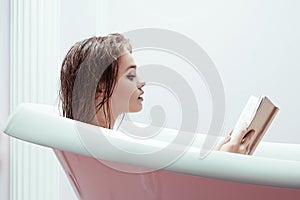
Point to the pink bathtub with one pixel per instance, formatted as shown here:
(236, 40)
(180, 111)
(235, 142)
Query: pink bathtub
(92, 180)
(272, 173)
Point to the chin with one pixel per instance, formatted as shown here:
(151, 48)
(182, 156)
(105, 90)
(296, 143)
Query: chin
(136, 109)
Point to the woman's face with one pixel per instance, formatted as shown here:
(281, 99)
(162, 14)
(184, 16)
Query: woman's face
(127, 93)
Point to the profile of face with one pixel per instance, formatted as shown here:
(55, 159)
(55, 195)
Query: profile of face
(126, 96)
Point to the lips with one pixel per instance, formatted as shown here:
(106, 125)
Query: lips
(140, 98)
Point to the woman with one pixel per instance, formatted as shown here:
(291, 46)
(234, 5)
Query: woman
(99, 82)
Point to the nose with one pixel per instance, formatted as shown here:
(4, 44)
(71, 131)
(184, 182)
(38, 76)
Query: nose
(141, 84)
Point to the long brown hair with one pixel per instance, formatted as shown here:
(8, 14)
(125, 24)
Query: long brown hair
(90, 68)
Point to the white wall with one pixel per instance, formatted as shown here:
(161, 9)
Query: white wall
(78, 19)
(4, 100)
(254, 45)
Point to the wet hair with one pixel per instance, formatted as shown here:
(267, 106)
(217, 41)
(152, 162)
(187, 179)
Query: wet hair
(89, 69)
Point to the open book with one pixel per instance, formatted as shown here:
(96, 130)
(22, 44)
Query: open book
(258, 114)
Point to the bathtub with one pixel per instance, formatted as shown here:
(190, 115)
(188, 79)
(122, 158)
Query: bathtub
(273, 172)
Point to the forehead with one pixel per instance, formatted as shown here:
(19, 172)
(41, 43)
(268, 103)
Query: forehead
(125, 61)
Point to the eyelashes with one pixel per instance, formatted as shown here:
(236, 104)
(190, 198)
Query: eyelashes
(131, 77)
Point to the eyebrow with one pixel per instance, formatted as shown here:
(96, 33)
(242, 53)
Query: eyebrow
(131, 66)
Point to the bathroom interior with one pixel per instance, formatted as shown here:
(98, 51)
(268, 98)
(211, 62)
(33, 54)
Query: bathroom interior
(253, 46)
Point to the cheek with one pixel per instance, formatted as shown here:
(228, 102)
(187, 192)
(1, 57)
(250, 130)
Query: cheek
(124, 92)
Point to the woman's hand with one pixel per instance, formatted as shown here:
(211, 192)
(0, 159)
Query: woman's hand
(239, 144)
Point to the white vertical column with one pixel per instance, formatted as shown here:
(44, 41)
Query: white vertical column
(35, 47)
(4, 100)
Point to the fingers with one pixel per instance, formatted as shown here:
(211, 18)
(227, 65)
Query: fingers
(245, 144)
(244, 149)
(238, 139)
(247, 150)
(248, 137)
(230, 132)
(227, 139)
(239, 144)
(222, 142)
